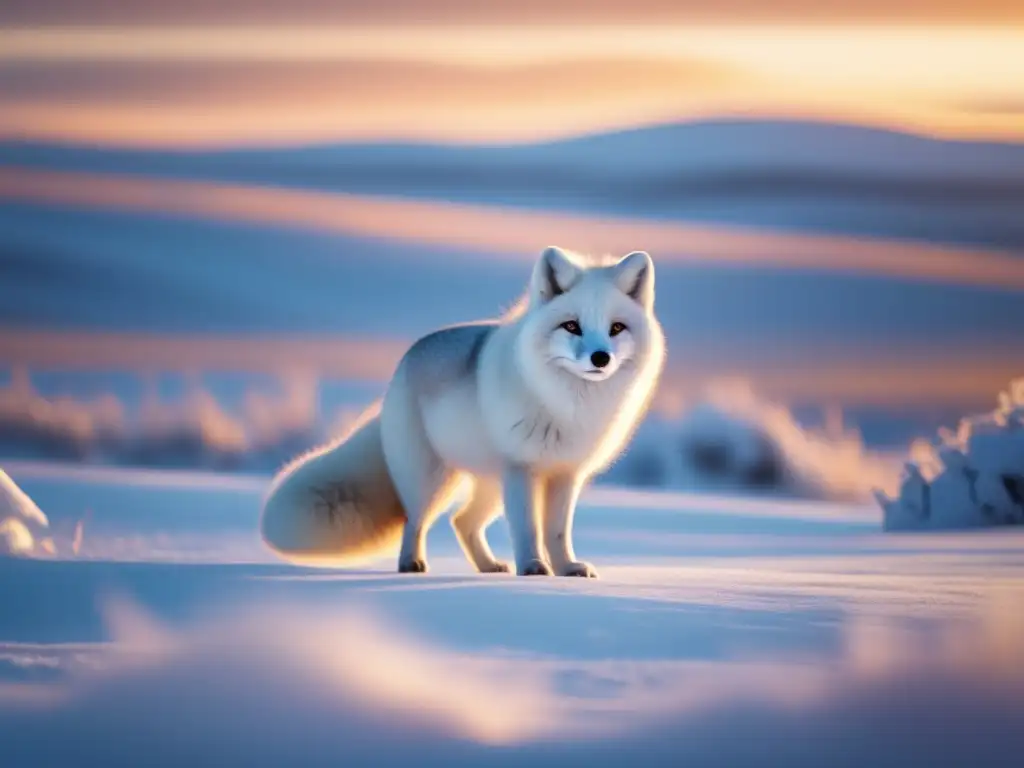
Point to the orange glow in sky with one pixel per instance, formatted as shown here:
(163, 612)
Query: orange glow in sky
(252, 84)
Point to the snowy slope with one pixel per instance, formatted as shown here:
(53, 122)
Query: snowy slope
(794, 175)
(697, 147)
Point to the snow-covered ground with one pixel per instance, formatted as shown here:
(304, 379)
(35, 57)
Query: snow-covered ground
(226, 311)
(724, 632)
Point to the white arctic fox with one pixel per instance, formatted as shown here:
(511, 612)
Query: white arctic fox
(527, 407)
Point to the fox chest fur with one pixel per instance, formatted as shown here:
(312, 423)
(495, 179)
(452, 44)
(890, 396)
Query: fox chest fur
(480, 414)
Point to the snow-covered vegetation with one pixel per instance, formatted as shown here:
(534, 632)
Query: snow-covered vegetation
(733, 440)
(729, 440)
(23, 525)
(196, 431)
(969, 477)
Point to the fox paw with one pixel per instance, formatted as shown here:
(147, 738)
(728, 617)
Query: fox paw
(581, 569)
(412, 565)
(535, 568)
(497, 566)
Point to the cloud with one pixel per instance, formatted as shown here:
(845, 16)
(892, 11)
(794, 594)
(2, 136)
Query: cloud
(521, 12)
(1009, 106)
(269, 685)
(569, 78)
(365, 83)
(183, 99)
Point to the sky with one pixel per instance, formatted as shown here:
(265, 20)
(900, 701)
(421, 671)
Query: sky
(252, 72)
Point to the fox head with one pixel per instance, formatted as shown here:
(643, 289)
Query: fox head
(592, 321)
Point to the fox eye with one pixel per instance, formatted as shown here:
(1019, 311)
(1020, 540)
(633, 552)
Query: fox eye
(616, 329)
(573, 327)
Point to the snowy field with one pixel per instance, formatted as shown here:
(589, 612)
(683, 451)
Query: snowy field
(723, 632)
(174, 326)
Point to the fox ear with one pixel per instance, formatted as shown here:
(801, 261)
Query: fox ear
(554, 274)
(634, 274)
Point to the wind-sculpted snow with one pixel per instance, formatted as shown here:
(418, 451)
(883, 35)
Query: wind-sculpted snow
(969, 477)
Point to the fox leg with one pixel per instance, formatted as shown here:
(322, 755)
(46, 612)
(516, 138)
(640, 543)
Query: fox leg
(560, 495)
(470, 523)
(424, 497)
(423, 482)
(521, 489)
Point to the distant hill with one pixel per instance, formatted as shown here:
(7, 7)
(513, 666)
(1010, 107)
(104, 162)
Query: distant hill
(804, 175)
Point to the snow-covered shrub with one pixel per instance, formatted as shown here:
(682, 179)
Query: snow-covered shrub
(970, 477)
(195, 431)
(22, 523)
(733, 440)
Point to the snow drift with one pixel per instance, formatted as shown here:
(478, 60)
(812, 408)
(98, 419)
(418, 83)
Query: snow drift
(967, 478)
(735, 441)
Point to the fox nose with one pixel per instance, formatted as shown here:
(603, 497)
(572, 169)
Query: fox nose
(600, 358)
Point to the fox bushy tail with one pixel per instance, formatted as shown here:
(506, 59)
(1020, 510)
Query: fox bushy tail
(336, 505)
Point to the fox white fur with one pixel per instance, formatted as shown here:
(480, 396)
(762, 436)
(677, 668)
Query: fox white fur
(526, 408)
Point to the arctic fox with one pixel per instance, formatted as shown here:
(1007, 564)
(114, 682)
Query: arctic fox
(527, 408)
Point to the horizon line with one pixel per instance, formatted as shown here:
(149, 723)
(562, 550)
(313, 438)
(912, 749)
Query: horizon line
(724, 118)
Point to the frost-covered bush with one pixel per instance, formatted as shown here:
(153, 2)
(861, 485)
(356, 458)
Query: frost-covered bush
(22, 523)
(735, 441)
(195, 431)
(970, 477)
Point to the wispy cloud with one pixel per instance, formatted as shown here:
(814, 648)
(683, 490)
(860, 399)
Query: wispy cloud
(1008, 105)
(503, 80)
(98, 12)
(193, 101)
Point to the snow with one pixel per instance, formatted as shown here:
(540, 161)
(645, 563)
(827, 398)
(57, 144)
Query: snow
(730, 440)
(970, 477)
(752, 611)
(21, 521)
(725, 631)
(686, 148)
(733, 440)
(195, 430)
(790, 174)
(15, 537)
